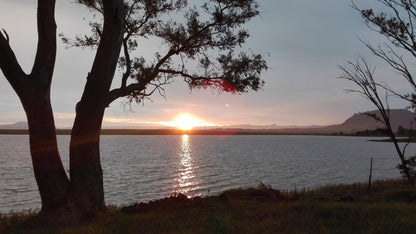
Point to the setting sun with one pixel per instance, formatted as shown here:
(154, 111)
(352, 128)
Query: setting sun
(187, 122)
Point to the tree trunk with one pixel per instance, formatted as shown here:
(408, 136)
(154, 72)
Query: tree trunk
(34, 93)
(406, 170)
(49, 172)
(86, 184)
(87, 191)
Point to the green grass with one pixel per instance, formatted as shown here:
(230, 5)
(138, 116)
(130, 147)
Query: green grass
(389, 207)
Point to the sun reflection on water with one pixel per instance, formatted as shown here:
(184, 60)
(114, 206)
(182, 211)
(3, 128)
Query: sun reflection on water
(186, 178)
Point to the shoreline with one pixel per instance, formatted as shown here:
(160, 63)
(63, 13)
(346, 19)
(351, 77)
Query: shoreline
(218, 131)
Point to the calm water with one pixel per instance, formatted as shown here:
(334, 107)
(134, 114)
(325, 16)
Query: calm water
(143, 168)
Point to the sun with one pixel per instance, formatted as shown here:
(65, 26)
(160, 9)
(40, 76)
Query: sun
(186, 122)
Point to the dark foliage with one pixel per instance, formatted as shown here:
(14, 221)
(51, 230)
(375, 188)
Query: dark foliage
(201, 45)
(374, 132)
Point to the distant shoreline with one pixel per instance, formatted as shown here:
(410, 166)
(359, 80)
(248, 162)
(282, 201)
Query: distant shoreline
(404, 139)
(219, 131)
(168, 132)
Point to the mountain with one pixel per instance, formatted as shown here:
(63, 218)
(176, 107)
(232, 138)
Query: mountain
(357, 122)
(259, 127)
(16, 126)
(362, 122)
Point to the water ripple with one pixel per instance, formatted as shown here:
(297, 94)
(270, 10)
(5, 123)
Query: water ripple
(143, 168)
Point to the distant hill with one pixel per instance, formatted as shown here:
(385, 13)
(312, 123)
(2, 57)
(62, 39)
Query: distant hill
(261, 127)
(358, 122)
(16, 126)
(362, 122)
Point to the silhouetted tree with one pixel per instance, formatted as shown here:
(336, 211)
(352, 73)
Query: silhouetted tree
(203, 48)
(362, 75)
(397, 24)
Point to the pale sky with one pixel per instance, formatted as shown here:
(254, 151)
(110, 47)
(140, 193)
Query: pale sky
(306, 40)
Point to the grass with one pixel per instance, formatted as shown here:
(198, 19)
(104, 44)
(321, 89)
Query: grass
(389, 207)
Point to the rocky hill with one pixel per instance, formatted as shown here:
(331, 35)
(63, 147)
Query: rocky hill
(362, 121)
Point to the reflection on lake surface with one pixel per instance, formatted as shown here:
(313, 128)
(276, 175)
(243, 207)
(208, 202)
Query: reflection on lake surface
(144, 168)
(186, 177)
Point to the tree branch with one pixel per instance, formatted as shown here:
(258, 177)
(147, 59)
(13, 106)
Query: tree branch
(127, 72)
(5, 34)
(9, 64)
(186, 75)
(46, 51)
(123, 92)
(187, 39)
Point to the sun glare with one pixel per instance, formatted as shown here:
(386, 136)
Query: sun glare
(187, 122)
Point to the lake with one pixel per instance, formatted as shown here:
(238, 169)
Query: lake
(144, 168)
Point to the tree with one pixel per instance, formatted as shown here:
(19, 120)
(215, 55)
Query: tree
(362, 75)
(397, 24)
(191, 45)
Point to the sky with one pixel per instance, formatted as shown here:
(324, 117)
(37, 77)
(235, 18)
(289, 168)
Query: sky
(303, 42)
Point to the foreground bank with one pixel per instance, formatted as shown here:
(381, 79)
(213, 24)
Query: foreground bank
(389, 207)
